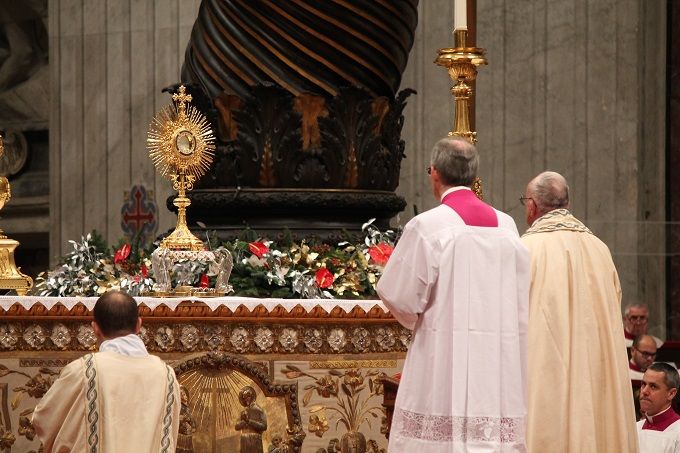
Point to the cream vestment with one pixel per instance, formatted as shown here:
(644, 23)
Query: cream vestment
(580, 396)
(123, 401)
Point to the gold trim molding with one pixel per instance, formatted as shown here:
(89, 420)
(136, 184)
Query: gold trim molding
(357, 364)
(254, 338)
(199, 311)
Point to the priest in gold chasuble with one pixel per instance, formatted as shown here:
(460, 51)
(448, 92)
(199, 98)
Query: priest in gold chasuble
(580, 397)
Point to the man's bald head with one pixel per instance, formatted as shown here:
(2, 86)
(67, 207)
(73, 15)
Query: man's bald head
(644, 341)
(116, 314)
(549, 190)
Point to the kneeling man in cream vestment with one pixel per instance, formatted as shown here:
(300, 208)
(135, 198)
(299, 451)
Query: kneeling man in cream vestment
(120, 399)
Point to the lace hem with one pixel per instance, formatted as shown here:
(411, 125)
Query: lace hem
(440, 428)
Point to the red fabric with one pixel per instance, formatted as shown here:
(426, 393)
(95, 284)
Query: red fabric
(633, 366)
(661, 421)
(629, 336)
(471, 209)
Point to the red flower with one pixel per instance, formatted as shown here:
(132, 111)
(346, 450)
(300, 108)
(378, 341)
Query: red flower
(204, 282)
(122, 254)
(145, 272)
(324, 278)
(258, 248)
(380, 253)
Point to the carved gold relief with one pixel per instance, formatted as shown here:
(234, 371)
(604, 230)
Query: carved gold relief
(251, 338)
(211, 406)
(231, 404)
(340, 398)
(343, 364)
(40, 363)
(25, 387)
(7, 439)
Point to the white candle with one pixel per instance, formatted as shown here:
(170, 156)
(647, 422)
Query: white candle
(460, 15)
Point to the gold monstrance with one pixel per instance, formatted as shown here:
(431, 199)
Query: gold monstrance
(10, 276)
(181, 145)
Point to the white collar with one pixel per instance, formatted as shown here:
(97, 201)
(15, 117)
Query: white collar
(453, 189)
(129, 345)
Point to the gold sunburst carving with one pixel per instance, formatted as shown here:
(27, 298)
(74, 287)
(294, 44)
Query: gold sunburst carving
(211, 397)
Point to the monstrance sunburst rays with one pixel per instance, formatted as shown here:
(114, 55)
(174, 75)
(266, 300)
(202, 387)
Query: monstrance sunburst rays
(181, 145)
(181, 142)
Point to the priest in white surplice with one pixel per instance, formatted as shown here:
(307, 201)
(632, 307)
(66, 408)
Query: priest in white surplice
(120, 399)
(459, 279)
(659, 428)
(580, 395)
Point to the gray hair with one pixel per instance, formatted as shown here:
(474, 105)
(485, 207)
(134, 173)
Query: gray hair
(672, 378)
(456, 161)
(626, 310)
(549, 190)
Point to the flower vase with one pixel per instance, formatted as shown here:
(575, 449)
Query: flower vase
(353, 442)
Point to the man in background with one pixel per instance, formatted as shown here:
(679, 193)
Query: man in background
(580, 396)
(119, 399)
(459, 279)
(642, 354)
(659, 429)
(635, 323)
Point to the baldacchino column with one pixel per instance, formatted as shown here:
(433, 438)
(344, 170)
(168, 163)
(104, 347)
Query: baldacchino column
(308, 117)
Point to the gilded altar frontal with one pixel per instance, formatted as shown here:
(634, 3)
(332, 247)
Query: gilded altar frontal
(245, 170)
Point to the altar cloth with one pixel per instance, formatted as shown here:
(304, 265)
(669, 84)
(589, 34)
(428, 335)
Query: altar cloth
(232, 303)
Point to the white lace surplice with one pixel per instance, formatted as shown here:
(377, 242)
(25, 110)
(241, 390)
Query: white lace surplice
(464, 291)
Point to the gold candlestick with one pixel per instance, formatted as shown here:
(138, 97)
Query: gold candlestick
(10, 275)
(461, 62)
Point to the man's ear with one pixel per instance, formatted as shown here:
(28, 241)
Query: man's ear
(435, 176)
(672, 393)
(97, 331)
(138, 327)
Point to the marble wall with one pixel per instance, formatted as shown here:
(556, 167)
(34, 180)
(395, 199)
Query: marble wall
(576, 86)
(109, 61)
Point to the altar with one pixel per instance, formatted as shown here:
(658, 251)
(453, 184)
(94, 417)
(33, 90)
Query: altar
(316, 365)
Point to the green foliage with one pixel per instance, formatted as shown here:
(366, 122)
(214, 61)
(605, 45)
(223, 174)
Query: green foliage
(262, 268)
